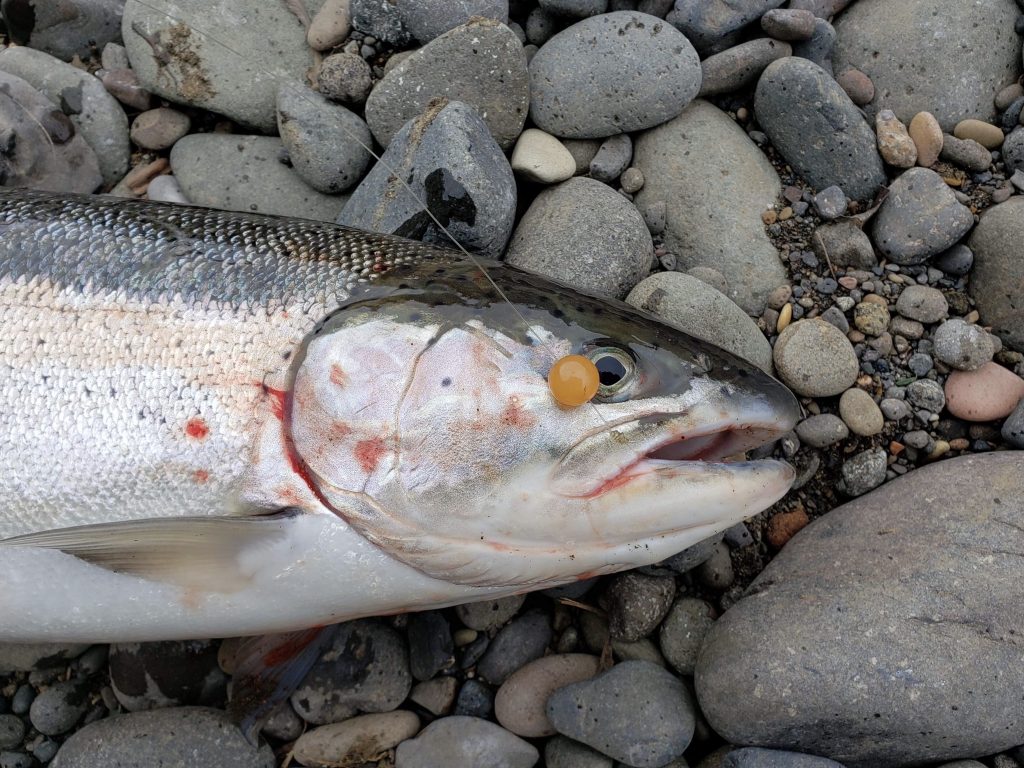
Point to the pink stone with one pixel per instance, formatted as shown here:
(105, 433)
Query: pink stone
(991, 392)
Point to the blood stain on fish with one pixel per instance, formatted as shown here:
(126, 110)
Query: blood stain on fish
(369, 452)
(196, 428)
(277, 398)
(201, 476)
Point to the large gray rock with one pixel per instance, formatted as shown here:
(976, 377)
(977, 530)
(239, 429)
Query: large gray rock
(947, 57)
(887, 632)
(172, 59)
(585, 234)
(920, 217)
(246, 173)
(183, 736)
(712, 26)
(465, 742)
(754, 757)
(617, 72)
(43, 148)
(481, 64)
(99, 118)
(817, 129)
(715, 184)
(452, 163)
(997, 280)
(63, 28)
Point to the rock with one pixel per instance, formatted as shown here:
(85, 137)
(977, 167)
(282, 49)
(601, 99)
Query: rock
(823, 9)
(792, 100)
(1013, 428)
(163, 737)
(894, 143)
(465, 742)
(996, 283)
(114, 56)
(12, 731)
(284, 724)
(966, 153)
(480, 64)
(428, 19)
(926, 394)
(986, 134)
(636, 712)
(474, 700)
(330, 25)
(920, 218)
(561, 752)
(344, 77)
(712, 27)
(246, 173)
(176, 62)
(356, 741)
(124, 85)
(923, 303)
(486, 615)
(521, 702)
(610, 74)
(830, 203)
(166, 674)
(1008, 95)
(928, 138)
(431, 648)
(818, 50)
(437, 696)
(328, 144)
(958, 57)
(857, 85)
(815, 359)
(381, 19)
(991, 392)
(1013, 150)
(714, 225)
(958, 260)
(683, 631)
(788, 24)
(636, 604)
(632, 180)
(756, 757)
(574, 8)
(365, 669)
(585, 234)
(63, 29)
(24, 657)
(698, 309)
(861, 414)
(739, 66)
(58, 708)
(159, 128)
(45, 149)
(871, 318)
(539, 156)
(165, 189)
(963, 346)
(918, 616)
(94, 112)
(612, 158)
(822, 430)
(521, 641)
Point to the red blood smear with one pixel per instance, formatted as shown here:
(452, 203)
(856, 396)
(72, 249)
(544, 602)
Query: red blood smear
(201, 475)
(290, 648)
(196, 428)
(277, 398)
(369, 452)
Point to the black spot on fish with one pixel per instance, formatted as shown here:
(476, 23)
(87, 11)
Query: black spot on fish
(20, 17)
(448, 200)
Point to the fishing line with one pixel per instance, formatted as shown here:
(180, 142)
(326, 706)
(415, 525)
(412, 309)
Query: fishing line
(283, 77)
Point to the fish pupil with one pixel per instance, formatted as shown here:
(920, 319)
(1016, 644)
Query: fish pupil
(610, 369)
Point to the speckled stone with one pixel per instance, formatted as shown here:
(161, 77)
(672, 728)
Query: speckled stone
(814, 358)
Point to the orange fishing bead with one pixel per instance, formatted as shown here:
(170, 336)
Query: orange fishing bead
(574, 380)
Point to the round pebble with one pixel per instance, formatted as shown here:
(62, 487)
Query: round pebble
(986, 134)
(522, 640)
(857, 85)
(871, 318)
(926, 394)
(822, 430)
(683, 631)
(926, 132)
(788, 24)
(814, 358)
(991, 392)
(465, 742)
(894, 142)
(632, 180)
(922, 303)
(344, 77)
(864, 471)
(539, 156)
(521, 702)
(159, 128)
(962, 345)
(58, 708)
(861, 414)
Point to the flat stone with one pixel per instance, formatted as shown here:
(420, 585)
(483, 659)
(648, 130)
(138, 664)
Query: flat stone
(521, 702)
(359, 740)
(431, 648)
(929, 609)
(997, 279)
(176, 62)
(585, 234)
(613, 73)
(919, 218)
(163, 737)
(480, 64)
(713, 225)
(740, 66)
(922, 303)
(988, 393)
(713, 27)
(166, 674)
(814, 358)
(539, 156)
(246, 173)
(465, 742)
(694, 306)
(124, 85)
(958, 57)
(63, 29)
(817, 129)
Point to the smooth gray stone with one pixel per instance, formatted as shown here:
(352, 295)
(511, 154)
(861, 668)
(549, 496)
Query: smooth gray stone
(1013, 428)
(585, 234)
(1013, 150)
(610, 74)
(99, 118)
(465, 742)
(711, 26)
(247, 173)
(740, 66)
(574, 8)
(612, 158)
(452, 163)
(755, 757)
(997, 279)
(920, 218)
(427, 19)
(182, 736)
(820, 47)
(59, 707)
(917, 622)
(329, 146)
(24, 657)
(267, 45)
(43, 148)
(817, 129)
(946, 57)
(63, 28)
(713, 224)
(481, 64)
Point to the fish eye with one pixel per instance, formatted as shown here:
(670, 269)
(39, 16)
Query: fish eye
(616, 368)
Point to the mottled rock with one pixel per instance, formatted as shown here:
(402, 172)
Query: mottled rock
(814, 358)
(818, 50)
(428, 19)
(24, 657)
(521, 703)
(962, 345)
(166, 674)
(683, 631)
(739, 66)
(159, 128)
(465, 742)
(830, 203)
(356, 741)
(996, 283)
(715, 225)
(636, 604)
(1013, 428)
(712, 27)
(381, 19)
(894, 142)
(344, 77)
(966, 153)
(584, 80)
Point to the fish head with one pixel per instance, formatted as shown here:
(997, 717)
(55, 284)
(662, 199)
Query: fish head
(425, 419)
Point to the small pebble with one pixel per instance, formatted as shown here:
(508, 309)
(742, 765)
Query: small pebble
(159, 128)
(541, 157)
(474, 700)
(355, 741)
(986, 134)
(894, 409)
(815, 359)
(486, 615)
(123, 85)
(966, 153)
(858, 86)
(330, 25)
(683, 631)
(926, 132)
(437, 696)
(926, 394)
(962, 345)
(636, 604)
(871, 318)
(864, 471)
(783, 526)
(955, 261)
(521, 703)
(1013, 428)
(612, 158)
(860, 412)
(344, 77)
(788, 24)
(58, 708)
(1008, 95)
(632, 180)
(922, 303)
(894, 142)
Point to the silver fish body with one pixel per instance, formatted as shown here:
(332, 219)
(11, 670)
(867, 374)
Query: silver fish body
(219, 424)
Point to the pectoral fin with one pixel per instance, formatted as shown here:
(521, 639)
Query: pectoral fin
(218, 554)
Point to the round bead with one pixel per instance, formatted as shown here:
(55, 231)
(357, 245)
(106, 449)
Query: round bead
(574, 380)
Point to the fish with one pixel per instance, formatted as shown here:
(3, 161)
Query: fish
(222, 424)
